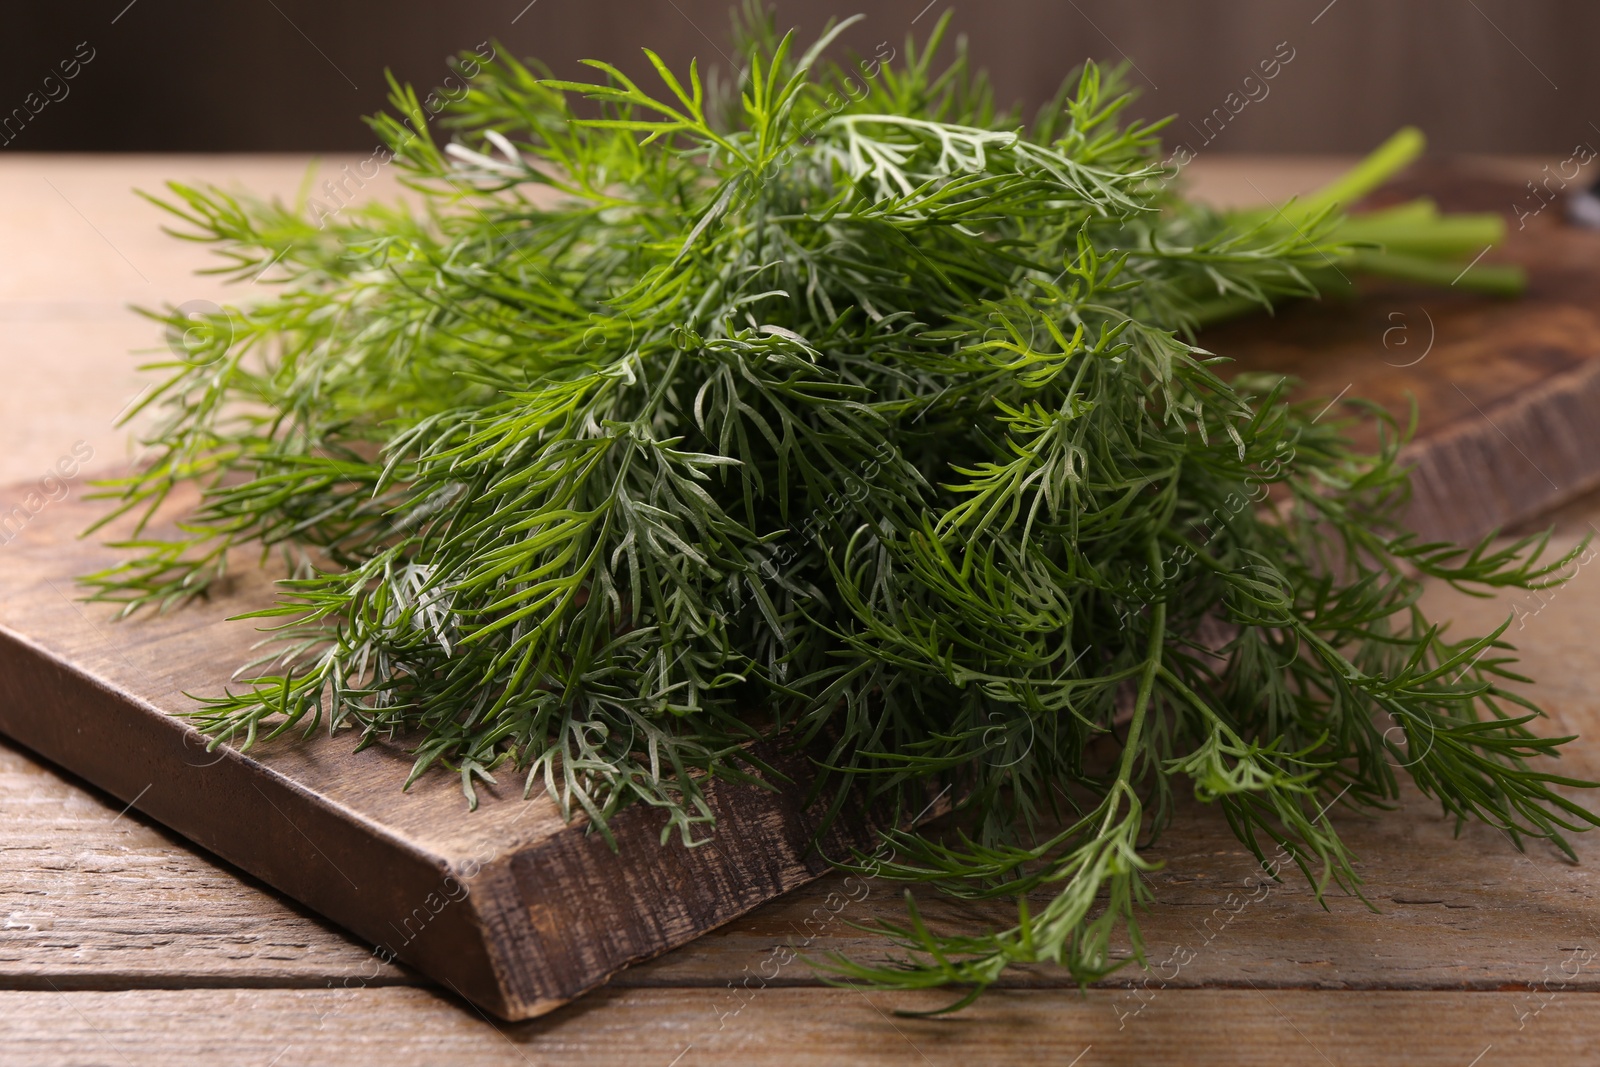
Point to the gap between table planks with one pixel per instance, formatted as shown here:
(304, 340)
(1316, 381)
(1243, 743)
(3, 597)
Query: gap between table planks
(803, 1028)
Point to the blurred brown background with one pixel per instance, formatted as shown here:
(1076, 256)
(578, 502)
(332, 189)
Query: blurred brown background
(283, 75)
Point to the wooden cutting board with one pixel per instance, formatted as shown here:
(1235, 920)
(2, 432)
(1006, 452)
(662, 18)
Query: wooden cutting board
(509, 906)
(1507, 391)
(518, 911)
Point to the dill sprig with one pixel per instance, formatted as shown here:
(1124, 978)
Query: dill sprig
(843, 408)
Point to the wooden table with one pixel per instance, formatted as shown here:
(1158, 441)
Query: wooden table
(122, 945)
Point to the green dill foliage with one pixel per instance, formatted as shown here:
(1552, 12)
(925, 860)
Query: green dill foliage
(842, 407)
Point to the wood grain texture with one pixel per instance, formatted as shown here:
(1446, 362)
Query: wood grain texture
(803, 1028)
(93, 896)
(1507, 392)
(100, 900)
(1446, 914)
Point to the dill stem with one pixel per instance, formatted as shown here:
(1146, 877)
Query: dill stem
(1141, 704)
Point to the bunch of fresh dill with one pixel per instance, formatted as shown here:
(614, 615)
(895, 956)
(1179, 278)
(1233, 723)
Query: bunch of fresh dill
(843, 409)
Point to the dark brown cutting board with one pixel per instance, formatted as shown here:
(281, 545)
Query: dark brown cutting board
(509, 905)
(519, 912)
(1507, 391)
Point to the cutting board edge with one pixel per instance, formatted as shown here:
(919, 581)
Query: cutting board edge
(1559, 422)
(467, 924)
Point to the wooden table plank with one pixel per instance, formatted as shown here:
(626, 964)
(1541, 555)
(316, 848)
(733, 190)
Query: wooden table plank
(1447, 914)
(96, 897)
(803, 1027)
(98, 900)
(82, 248)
